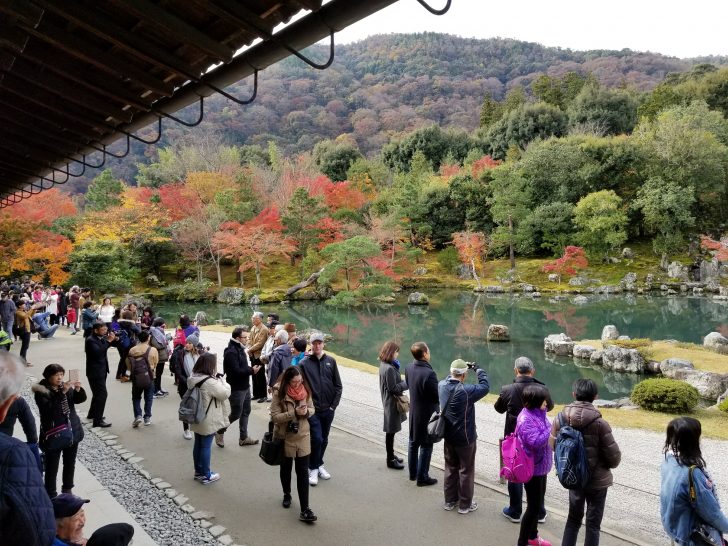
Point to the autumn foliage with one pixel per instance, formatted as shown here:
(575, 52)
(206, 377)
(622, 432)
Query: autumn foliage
(573, 260)
(719, 249)
(471, 247)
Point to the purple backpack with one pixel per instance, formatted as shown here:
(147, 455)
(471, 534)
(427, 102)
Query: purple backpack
(517, 464)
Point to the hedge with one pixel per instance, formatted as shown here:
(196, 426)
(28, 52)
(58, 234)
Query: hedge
(668, 395)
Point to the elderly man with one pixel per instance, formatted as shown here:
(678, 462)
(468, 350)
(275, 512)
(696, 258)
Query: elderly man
(256, 338)
(322, 374)
(280, 357)
(70, 519)
(26, 513)
(457, 405)
(509, 402)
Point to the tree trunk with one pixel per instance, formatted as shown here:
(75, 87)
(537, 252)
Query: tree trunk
(510, 242)
(242, 275)
(313, 279)
(346, 271)
(257, 274)
(475, 274)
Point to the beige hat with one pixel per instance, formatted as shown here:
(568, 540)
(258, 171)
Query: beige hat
(459, 366)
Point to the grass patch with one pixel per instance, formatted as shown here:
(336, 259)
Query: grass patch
(714, 423)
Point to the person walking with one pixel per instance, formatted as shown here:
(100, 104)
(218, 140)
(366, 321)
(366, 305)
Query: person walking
(509, 402)
(688, 495)
(158, 339)
(237, 374)
(257, 337)
(291, 410)
(534, 429)
(280, 357)
(215, 393)
(457, 407)
(602, 453)
(56, 402)
(391, 385)
(422, 382)
(23, 315)
(184, 360)
(97, 368)
(142, 354)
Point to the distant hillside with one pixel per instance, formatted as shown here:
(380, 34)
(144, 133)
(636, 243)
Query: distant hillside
(389, 84)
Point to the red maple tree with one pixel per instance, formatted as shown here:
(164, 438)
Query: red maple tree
(573, 260)
(717, 248)
(471, 247)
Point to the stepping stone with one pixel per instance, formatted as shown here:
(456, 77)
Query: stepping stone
(110, 442)
(179, 500)
(171, 493)
(163, 485)
(127, 456)
(155, 481)
(110, 437)
(202, 515)
(136, 459)
(118, 447)
(205, 524)
(187, 508)
(216, 530)
(225, 540)
(144, 473)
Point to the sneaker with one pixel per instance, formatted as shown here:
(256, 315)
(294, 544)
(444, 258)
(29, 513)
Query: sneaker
(187, 434)
(426, 482)
(449, 506)
(247, 441)
(543, 519)
(307, 515)
(199, 477)
(159, 394)
(219, 439)
(510, 517)
(323, 474)
(472, 508)
(261, 400)
(137, 421)
(147, 421)
(313, 477)
(538, 541)
(213, 477)
(286, 500)
(164, 393)
(74, 332)
(39, 338)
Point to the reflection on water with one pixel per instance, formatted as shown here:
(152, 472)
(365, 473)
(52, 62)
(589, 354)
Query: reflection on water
(455, 324)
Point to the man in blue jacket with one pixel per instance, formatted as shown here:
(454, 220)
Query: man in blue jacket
(26, 513)
(457, 404)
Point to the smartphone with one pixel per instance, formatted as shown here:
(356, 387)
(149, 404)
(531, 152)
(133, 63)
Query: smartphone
(73, 375)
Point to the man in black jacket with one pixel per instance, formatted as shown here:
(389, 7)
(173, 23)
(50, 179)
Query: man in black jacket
(509, 402)
(97, 368)
(322, 374)
(26, 513)
(237, 374)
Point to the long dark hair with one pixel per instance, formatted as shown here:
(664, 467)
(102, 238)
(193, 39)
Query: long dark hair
(184, 321)
(206, 364)
(386, 353)
(285, 379)
(683, 441)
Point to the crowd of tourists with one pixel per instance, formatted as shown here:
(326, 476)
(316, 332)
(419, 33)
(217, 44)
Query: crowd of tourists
(268, 362)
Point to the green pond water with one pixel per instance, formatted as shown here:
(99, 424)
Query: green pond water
(455, 323)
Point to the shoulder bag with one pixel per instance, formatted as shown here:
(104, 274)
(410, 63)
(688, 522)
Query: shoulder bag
(58, 438)
(271, 448)
(702, 533)
(436, 426)
(403, 402)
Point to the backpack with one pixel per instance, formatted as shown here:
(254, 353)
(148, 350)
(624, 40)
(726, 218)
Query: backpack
(5, 339)
(162, 348)
(191, 410)
(176, 365)
(572, 465)
(517, 464)
(141, 373)
(126, 341)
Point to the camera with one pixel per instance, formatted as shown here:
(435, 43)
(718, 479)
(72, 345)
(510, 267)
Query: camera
(472, 365)
(293, 427)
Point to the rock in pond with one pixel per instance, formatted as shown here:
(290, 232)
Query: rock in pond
(583, 351)
(418, 298)
(254, 300)
(559, 344)
(623, 360)
(610, 332)
(580, 300)
(498, 332)
(715, 341)
(670, 366)
(201, 318)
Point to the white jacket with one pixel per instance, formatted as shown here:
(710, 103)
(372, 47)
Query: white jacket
(215, 394)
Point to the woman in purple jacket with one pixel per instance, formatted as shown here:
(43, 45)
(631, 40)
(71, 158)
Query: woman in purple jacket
(533, 428)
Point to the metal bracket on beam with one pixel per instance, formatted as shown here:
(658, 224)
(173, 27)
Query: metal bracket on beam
(433, 11)
(235, 99)
(83, 162)
(112, 154)
(159, 133)
(309, 61)
(185, 123)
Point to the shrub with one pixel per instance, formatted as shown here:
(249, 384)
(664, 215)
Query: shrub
(723, 406)
(190, 290)
(449, 259)
(668, 395)
(630, 343)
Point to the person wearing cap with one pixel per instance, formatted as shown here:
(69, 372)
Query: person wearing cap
(70, 519)
(186, 360)
(509, 402)
(257, 337)
(322, 374)
(290, 328)
(114, 534)
(457, 404)
(97, 368)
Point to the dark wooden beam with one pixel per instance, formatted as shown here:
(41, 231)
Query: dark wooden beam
(41, 159)
(39, 132)
(7, 61)
(40, 112)
(24, 10)
(242, 16)
(13, 37)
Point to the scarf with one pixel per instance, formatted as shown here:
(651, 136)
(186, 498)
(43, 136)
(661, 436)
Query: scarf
(395, 363)
(297, 393)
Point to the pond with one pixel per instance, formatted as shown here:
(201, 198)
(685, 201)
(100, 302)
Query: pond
(455, 323)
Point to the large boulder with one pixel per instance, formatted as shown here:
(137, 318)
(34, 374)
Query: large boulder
(583, 351)
(465, 272)
(670, 366)
(254, 300)
(580, 300)
(723, 396)
(629, 278)
(231, 296)
(710, 385)
(559, 344)
(610, 332)
(578, 281)
(498, 332)
(201, 318)
(676, 270)
(709, 270)
(527, 288)
(224, 322)
(420, 271)
(627, 253)
(307, 332)
(553, 277)
(494, 289)
(596, 358)
(715, 341)
(418, 298)
(623, 360)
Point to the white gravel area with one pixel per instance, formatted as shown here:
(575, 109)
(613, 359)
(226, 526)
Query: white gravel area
(632, 503)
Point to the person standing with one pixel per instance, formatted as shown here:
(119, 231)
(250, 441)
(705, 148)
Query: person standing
(128, 332)
(23, 315)
(509, 402)
(52, 305)
(215, 393)
(89, 315)
(237, 374)
(280, 357)
(291, 410)
(457, 404)
(106, 311)
(322, 374)
(7, 313)
(184, 359)
(422, 382)
(158, 340)
(687, 493)
(74, 306)
(26, 512)
(391, 385)
(257, 337)
(602, 453)
(147, 355)
(97, 368)
(62, 305)
(20, 411)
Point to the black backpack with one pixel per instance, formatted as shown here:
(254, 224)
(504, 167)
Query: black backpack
(141, 371)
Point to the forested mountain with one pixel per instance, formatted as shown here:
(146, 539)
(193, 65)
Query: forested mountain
(388, 85)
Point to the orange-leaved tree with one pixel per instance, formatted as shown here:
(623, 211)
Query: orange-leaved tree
(717, 248)
(573, 260)
(471, 247)
(45, 254)
(44, 208)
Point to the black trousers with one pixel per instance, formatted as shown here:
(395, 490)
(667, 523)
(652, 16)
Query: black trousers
(389, 445)
(121, 368)
(98, 398)
(260, 385)
(158, 371)
(301, 478)
(25, 343)
(52, 461)
(535, 491)
(595, 500)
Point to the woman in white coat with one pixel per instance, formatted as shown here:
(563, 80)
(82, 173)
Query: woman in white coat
(215, 393)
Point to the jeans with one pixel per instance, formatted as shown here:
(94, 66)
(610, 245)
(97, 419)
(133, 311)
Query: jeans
(239, 409)
(320, 423)
(515, 493)
(201, 454)
(48, 332)
(301, 478)
(52, 461)
(7, 325)
(136, 398)
(595, 500)
(460, 474)
(418, 460)
(535, 491)
(98, 398)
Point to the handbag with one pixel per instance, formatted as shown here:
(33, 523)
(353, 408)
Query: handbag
(702, 533)
(403, 402)
(58, 438)
(271, 448)
(436, 425)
